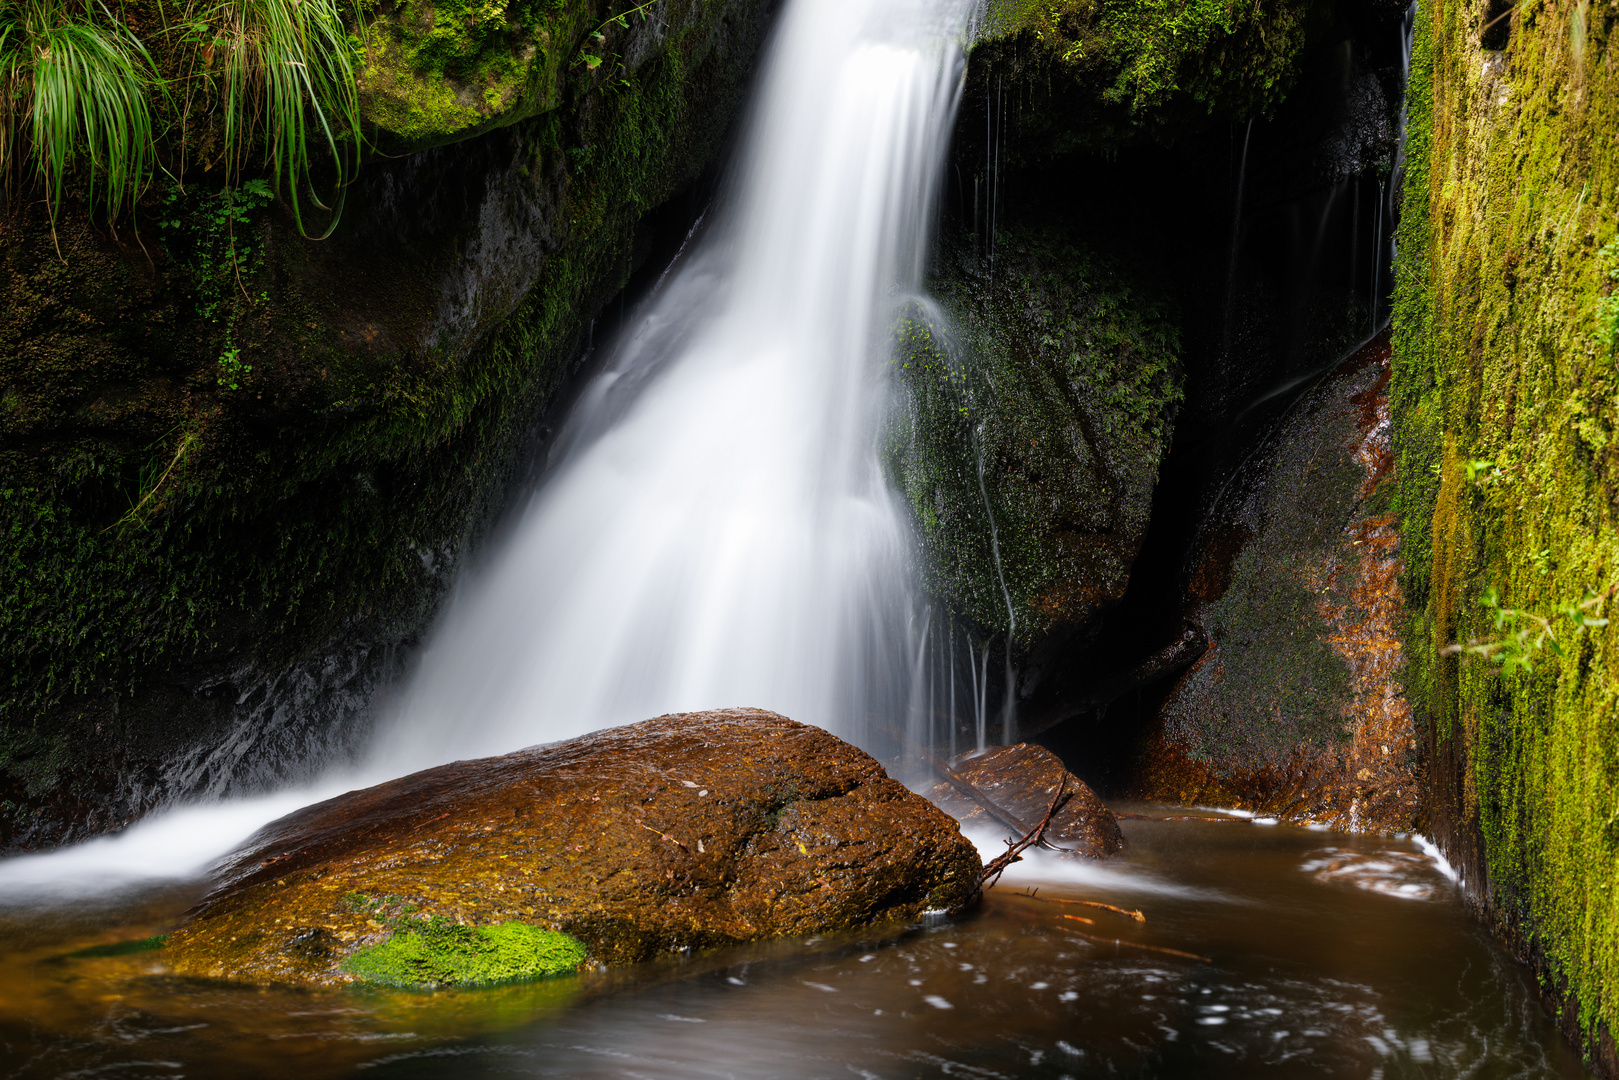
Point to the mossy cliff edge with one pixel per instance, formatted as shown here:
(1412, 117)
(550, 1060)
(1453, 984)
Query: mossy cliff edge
(1505, 406)
(232, 485)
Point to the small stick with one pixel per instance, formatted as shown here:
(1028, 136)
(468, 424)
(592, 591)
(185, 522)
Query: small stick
(1182, 817)
(1126, 912)
(1014, 850)
(1080, 918)
(1148, 948)
(666, 836)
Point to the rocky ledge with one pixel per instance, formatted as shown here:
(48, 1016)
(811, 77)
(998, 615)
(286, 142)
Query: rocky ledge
(684, 831)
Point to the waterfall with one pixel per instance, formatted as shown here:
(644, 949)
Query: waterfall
(715, 528)
(718, 530)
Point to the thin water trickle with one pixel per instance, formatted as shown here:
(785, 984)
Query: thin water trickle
(1236, 236)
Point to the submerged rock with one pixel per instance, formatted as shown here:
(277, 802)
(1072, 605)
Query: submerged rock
(684, 831)
(1022, 780)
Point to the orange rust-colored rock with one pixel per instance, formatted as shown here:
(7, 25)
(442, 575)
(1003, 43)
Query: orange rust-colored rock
(684, 831)
(1297, 707)
(1022, 780)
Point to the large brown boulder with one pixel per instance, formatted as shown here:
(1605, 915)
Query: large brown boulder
(1021, 781)
(689, 830)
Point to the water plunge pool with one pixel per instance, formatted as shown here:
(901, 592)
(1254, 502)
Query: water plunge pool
(1327, 955)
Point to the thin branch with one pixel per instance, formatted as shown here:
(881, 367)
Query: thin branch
(1014, 849)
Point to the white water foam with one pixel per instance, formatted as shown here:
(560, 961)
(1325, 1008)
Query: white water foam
(716, 529)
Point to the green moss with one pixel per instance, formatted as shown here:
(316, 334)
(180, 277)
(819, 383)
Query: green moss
(121, 948)
(437, 952)
(1503, 354)
(1152, 65)
(1038, 407)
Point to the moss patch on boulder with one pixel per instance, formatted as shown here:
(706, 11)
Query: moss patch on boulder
(432, 952)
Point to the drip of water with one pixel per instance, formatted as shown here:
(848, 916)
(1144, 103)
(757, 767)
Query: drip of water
(715, 529)
(1236, 234)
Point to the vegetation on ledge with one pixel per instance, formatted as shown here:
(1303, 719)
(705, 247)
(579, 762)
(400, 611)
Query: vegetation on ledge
(1114, 68)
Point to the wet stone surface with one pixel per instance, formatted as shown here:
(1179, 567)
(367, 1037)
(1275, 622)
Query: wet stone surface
(685, 831)
(1023, 779)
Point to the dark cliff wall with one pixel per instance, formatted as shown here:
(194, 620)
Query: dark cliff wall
(1505, 411)
(233, 489)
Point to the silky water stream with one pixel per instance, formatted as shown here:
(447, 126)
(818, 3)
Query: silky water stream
(715, 530)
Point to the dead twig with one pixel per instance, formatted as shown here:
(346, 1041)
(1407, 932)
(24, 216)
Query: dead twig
(1015, 848)
(1126, 912)
(666, 836)
(1136, 945)
(1183, 817)
(1080, 918)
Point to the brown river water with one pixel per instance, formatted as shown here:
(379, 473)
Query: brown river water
(1310, 954)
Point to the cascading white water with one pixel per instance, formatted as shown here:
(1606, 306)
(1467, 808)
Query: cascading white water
(719, 531)
(716, 529)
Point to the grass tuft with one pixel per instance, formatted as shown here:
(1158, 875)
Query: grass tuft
(76, 88)
(284, 73)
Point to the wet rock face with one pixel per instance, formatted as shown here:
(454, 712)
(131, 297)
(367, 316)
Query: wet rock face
(1040, 395)
(685, 831)
(1297, 708)
(1022, 780)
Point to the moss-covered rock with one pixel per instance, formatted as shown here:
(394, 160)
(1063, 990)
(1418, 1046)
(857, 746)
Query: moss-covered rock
(1506, 404)
(437, 71)
(1039, 398)
(237, 466)
(681, 832)
(1094, 74)
(1297, 708)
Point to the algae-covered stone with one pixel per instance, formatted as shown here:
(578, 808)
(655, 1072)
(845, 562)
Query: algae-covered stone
(1039, 405)
(685, 831)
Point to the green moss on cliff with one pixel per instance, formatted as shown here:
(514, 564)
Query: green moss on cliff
(1502, 354)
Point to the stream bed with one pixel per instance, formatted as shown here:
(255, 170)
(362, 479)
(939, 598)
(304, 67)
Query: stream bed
(1266, 951)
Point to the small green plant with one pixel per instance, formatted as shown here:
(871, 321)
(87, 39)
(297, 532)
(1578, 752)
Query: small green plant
(152, 481)
(202, 234)
(1527, 634)
(75, 88)
(598, 37)
(1484, 473)
(437, 952)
